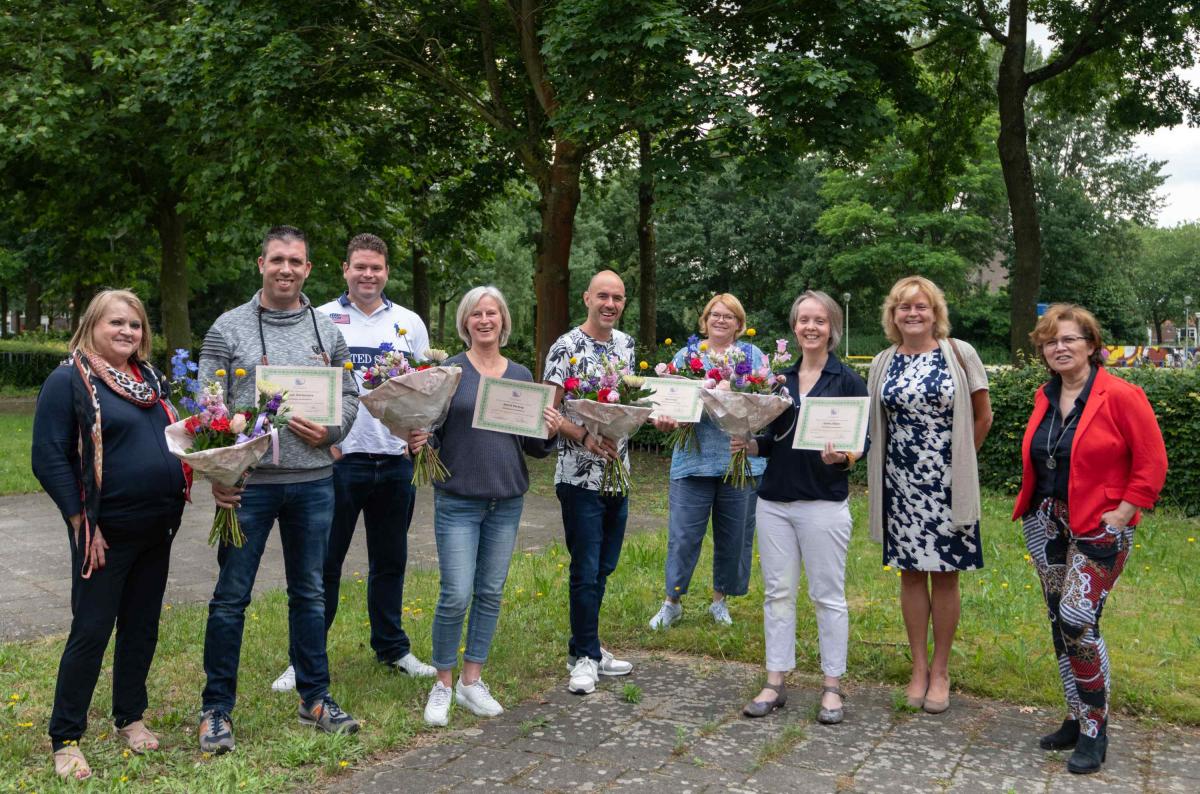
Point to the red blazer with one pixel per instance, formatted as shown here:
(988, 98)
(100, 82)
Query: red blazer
(1117, 453)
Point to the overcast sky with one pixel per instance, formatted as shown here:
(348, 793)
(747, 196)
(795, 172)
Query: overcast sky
(1178, 147)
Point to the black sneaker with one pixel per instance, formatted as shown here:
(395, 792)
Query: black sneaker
(326, 715)
(216, 732)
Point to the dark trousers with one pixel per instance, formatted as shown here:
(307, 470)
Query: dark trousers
(304, 510)
(128, 592)
(380, 488)
(1077, 575)
(594, 525)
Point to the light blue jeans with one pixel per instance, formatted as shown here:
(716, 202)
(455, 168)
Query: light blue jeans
(693, 501)
(475, 541)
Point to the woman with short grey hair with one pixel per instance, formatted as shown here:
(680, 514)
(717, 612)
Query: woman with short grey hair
(803, 515)
(477, 509)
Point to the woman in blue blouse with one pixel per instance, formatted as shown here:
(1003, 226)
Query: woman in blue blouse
(697, 489)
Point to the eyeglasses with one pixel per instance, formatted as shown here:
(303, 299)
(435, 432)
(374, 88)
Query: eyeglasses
(1067, 341)
(726, 317)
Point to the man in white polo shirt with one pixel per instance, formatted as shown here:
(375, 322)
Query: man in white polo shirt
(372, 475)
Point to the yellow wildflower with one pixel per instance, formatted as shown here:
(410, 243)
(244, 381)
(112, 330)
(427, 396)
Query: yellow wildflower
(667, 341)
(887, 567)
(751, 332)
(703, 347)
(343, 764)
(402, 331)
(348, 365)
(1191, 540)
(241, 373)
(540, 594)
(1004, 584)
(643, 365)
(220, 373)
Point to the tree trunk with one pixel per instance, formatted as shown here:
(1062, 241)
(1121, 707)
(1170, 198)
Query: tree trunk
(173, 274)
(647, 277)
(1025, 275)
(33, 301)
(79, 298)
(552, 274)
(420, 276)
(441, 332)
(4, 312)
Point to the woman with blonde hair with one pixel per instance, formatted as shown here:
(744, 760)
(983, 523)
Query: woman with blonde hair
(698, 491)
(100, 418)
(930, 414)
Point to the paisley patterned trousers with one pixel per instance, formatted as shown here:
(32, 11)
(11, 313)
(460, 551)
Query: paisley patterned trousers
(1078, 572)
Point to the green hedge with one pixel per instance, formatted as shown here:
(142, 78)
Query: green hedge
(1174, 393)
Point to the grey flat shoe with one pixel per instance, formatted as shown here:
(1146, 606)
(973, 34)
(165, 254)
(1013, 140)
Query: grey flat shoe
(761, 708)
(832, 716)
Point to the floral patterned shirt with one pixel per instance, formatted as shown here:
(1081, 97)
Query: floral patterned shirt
(572, 355)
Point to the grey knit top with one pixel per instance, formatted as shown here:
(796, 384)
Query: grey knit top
(239, 339)
(484, 464)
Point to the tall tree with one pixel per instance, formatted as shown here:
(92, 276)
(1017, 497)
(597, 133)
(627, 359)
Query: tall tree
(1139, 46)
(532, 70)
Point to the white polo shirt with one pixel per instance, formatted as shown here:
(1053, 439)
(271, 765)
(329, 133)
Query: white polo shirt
(364, 334)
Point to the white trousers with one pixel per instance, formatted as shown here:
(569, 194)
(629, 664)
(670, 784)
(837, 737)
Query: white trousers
(816, 534)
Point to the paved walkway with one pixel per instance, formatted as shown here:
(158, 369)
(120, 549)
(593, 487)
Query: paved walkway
(686, 734)
(35, 585)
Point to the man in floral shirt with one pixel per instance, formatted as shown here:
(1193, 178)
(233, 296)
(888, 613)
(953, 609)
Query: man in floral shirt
(593, 520)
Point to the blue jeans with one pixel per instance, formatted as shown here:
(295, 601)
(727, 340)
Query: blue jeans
(475, 541)
(381, 489)
(594, 525)
(304, 511)
(692, 501)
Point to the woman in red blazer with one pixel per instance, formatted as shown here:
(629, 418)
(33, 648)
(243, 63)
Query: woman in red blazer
(1092, 456)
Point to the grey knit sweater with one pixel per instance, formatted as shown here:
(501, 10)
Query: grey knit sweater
(291, 339)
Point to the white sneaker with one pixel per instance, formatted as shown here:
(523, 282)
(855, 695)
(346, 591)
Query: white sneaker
(286, 682)
(667, 614)
(720, 613)
(584, 676)
(609, 664)
(411, 665)
(477, 698)
(437, 708)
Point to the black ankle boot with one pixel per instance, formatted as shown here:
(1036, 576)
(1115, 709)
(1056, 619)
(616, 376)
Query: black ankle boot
(1089, 754)
(1062, 739)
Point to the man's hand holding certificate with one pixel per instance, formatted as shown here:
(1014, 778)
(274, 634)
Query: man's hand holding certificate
(841, 421)
(313, 393)
(676, 398)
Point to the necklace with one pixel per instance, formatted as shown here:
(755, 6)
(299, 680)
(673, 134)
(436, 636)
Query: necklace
(1051, 463)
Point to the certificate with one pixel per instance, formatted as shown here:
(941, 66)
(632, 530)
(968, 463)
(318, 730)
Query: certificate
(676, 398)
(512, 406)
(842, 420)
(312, 393)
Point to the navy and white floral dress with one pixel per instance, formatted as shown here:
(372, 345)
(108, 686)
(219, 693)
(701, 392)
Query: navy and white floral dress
(918, 396)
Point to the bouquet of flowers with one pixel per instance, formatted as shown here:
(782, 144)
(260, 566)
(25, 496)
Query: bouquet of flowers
(405, 398)
(742, 400)
(223, 445)
(684, 436)
(608, 405)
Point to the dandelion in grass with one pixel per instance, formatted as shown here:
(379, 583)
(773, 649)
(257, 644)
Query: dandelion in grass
(887, 567)
(343, 764)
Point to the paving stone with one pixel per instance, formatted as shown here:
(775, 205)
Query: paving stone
(644, 746)
(783, 779)
(968, 780)
(654, 782)
(1172, 785)
(490, 764)
(385, 780)
(892, 777)
(556, 774)
(1175, 753)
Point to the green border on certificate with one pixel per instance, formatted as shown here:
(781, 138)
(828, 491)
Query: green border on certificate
(321, 404)
(512, 406)
(688, 409)
(847, 431)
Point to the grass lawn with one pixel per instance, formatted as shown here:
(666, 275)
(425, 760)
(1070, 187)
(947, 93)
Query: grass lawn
(16, 436)
(1004, 651)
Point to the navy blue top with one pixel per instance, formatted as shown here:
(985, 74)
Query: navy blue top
(142, 482)
(795, 474)
(1053, 437)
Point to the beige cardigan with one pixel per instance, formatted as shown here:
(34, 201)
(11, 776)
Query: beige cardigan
(964, 470)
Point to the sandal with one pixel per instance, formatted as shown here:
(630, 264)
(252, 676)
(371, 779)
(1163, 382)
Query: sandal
(138, 737)
(832, 716)
(69, 762)
(761, 708)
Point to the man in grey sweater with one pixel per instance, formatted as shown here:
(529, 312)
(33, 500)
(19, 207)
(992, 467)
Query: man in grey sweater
(278, 326)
